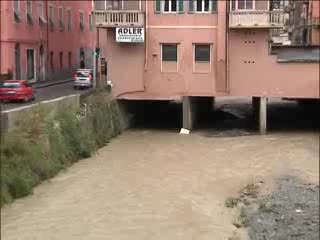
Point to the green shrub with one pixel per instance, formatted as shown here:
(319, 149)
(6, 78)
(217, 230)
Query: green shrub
(45, 142)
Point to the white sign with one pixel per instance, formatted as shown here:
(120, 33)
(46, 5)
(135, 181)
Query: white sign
(130, 35)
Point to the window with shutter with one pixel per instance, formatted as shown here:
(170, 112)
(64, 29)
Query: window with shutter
(51, 17)
(202, 6)
(157, 6)
(82, 21)
(181, 6)
(169, 6)
(42, 18)
(29, 12)
(191, 6)
(16, 9)
(214, 5)
(61, 22)
(69, 20)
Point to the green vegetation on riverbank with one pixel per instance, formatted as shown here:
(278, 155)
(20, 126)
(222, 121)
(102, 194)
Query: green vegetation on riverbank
(44, 142)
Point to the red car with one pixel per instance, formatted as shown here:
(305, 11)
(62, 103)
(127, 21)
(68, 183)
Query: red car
(16, 90)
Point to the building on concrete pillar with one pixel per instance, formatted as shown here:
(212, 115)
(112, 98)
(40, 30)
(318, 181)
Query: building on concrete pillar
(224, 51)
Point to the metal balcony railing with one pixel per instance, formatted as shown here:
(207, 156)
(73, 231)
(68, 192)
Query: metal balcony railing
(112, 18)
(256, 19)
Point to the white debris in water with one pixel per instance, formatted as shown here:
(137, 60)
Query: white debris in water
(184, 131)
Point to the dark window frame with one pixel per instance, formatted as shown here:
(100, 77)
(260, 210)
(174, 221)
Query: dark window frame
(165, 50)
(199, 55)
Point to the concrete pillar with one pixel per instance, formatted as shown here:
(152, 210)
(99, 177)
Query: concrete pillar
(188, 112)
(259, 105)
(263, 115)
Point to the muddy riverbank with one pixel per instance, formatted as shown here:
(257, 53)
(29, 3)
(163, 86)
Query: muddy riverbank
(156, 184)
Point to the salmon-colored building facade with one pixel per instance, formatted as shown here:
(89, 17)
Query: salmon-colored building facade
(241, 61)
(203, 48)
(46, 40)
(315, 22)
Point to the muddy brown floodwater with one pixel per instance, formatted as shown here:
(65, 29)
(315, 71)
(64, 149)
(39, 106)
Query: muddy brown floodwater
(156, 184)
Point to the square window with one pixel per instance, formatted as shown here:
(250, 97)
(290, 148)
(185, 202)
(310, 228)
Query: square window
(169, 53)
(202, 53)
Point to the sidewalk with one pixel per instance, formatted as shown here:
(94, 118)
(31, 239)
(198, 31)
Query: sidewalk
(43, 84)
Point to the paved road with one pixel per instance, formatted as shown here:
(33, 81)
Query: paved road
(47, 93)
(150, 184)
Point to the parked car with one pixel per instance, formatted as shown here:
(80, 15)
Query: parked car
(16, 90)
(83, 78)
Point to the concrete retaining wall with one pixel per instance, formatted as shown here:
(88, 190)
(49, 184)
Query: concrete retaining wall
(9, 118)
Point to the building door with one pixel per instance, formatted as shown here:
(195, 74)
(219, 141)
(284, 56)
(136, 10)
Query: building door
(17, 56)
(31, 69)
(82, 59)
(42, 64)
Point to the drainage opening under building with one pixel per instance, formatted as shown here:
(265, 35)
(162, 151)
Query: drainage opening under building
(225, 116)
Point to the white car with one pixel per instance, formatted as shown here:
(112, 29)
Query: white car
(83, 78)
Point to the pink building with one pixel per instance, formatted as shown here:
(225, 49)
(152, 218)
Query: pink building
(202, 48)
(46, 40)
(315, 22)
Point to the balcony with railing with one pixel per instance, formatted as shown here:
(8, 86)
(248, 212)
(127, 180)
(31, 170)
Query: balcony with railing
(119, 13)
(256, 19)
(119, 18)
